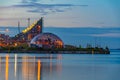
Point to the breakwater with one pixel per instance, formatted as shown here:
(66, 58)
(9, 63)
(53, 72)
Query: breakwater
(58, 51)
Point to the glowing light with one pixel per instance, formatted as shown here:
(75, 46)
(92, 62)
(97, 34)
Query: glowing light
(25, 67)
(28, 68)
(7, 67)
(15, 44)
(39, 67)
(7, 30)
(30, 27)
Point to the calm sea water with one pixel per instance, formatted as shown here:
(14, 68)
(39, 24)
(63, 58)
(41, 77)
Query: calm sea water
(60, 66)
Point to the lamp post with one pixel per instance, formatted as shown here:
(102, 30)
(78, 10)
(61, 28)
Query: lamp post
(7, 30)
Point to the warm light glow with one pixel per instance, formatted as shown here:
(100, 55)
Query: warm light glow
(25, 67)
(28, 68)
(39, 69)
(15, 44)
(59, 63)
(29, 36)
(15, 66)
(47, 40)
(29, 28)
(7, 67)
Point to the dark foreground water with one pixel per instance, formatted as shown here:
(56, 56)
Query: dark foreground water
(60, 67)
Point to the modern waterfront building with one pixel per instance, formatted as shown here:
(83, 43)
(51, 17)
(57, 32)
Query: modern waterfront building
(46, 40)
(33, 35)
(30, 32)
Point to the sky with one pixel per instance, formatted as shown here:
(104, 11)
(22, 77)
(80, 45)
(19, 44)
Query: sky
(61, 13)
(77, 21)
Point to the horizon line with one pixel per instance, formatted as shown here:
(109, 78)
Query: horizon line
(67, 27)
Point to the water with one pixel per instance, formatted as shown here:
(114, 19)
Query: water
(60, 66)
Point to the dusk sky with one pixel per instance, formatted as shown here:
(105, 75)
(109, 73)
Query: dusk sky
(61, 13)
(102, 17)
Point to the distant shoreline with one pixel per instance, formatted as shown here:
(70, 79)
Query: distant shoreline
(57, 52)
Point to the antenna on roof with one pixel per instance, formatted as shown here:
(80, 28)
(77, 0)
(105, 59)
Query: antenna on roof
(28, 22)
(18, 26)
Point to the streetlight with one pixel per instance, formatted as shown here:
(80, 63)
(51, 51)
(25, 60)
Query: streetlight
(7, 30)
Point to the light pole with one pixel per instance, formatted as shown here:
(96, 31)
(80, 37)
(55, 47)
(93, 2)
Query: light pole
(7, 30)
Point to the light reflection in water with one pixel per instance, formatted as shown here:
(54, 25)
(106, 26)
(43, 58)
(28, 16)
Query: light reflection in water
(24, 67)
(15, 65)
(0, 64)
(7, 67)
(39, 70)
(28, 68)
(59, 63)
(51, 64)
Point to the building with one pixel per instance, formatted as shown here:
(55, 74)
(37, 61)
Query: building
(46, 40)
(33, 35)
(4, 40)
(31, 31)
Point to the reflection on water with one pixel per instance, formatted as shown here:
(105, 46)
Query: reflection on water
(7, 67)
(27, 67)
(0, 64)
(39, 69)
(15, 64)
(59, 67)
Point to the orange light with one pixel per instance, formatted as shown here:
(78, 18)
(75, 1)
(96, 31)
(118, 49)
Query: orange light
(7, 67)
(39, 67)
(15, 44)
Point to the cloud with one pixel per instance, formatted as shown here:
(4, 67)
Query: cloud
(28, 1)
(106, 35)
(36, 6)
(45, 9)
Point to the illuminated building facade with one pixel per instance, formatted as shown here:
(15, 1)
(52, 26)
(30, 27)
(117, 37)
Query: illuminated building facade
(34, 36)
(46, 40)
(30, 32)
(4, 39)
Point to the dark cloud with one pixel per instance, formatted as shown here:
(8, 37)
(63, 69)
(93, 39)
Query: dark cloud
(30, 1)
(45, 9)
(43, 5)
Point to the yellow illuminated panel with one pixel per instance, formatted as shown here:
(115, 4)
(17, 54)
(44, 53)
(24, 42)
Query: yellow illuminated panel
(30, 27)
